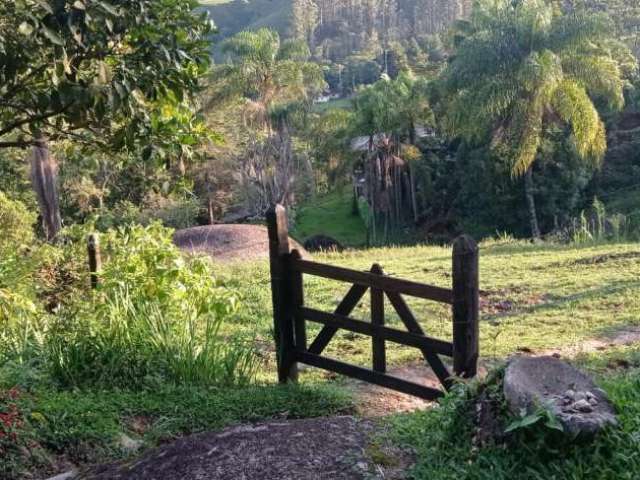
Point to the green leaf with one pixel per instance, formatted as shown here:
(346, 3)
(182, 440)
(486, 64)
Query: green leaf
(52, 36)
(523, 422)
(110, 8)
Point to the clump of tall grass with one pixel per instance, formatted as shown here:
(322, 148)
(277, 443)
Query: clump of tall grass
(156, 317)
(597, 226)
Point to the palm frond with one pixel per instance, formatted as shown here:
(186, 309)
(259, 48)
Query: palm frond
(572, 103)
(296, 50)
(600, 75)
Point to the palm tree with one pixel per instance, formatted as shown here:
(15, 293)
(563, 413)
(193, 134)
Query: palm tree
(524, 65)
(391, 110)
(272, 77)
(267, 72)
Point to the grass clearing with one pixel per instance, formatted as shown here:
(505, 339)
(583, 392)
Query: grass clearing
(534, 297)
(331, 215)
(85, 426)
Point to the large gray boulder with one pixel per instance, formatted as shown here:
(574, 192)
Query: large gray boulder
(582, 408)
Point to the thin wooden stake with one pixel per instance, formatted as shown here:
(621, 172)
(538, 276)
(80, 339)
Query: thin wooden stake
(466, 344)
(95, 259)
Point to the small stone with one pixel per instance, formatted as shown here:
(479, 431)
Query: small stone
(570, 394)
(583, 406)
(129, 445)
(65, 476)
(579, 396)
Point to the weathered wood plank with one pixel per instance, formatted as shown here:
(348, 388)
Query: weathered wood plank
(410, 322)
(95, 259)
(363, 374)
(279, 250)
(390, 334)
(387, 284)
(378, 348)
(350, 301)
(297, 301)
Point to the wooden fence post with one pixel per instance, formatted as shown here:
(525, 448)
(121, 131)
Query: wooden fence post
(279, 251)
(95, 259)
(377, 319)
(466, 344)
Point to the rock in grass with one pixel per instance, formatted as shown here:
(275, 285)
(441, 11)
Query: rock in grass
(322, 243)
(582, 408)
(128, 445)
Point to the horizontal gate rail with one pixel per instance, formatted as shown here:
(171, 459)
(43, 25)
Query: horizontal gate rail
(357, 326)
(388, 284)
(291, 315)
(369, 376)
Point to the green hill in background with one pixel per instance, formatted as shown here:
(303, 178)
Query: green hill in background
(233, 16)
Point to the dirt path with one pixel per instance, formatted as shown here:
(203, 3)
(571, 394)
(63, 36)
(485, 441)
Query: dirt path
(228, 243)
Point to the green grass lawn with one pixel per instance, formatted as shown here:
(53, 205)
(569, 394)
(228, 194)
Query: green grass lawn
(331, 215)
(533, 296)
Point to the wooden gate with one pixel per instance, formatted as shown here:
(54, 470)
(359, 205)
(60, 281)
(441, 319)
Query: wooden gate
(290, 315)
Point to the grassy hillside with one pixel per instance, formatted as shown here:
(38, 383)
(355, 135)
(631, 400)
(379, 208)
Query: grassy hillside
(331, 215)
(232, 16)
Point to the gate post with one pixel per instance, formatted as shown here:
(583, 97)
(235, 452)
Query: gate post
(279, 251)
(95, 259)
(466, 328)
(377, 319)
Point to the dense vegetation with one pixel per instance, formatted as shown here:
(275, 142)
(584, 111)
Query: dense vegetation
(377, 122)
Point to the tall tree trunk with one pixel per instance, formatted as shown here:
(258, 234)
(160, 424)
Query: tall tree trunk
(412, 176)
(531, 203)
(44, 178)
(414, 198)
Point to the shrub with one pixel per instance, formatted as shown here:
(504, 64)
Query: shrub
(173, 213)
(14, 434)
(19, 306)
(16, 224)
(155, 318)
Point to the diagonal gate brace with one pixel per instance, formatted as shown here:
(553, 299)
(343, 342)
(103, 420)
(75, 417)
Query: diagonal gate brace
(409, 320)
